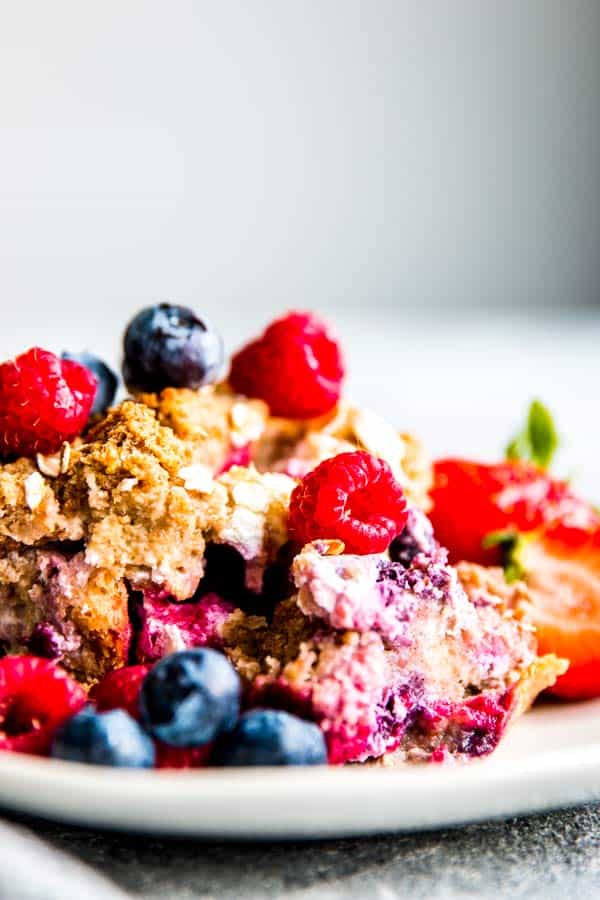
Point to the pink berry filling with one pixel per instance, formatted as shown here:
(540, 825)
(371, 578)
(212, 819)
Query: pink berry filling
(166, 626)
(381, 676)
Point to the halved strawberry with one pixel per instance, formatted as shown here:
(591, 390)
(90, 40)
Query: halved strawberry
(541, 531)
(561, 566)
(472, 500)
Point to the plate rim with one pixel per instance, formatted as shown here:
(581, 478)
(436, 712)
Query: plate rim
(201, 802)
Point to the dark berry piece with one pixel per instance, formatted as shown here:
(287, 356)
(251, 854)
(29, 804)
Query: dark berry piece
(271, 737)
(104, 739)
(278, 582)
(46, 641)
(190, 697)
(296, 367)
(170, 346)
(43, 402)
(352, 497)
(416, 537)
(106, 379)
(36, 697)
(225, 574)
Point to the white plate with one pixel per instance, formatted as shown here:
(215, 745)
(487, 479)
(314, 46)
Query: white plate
(550, 759)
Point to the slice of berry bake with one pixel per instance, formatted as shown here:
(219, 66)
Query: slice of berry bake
(263, 517)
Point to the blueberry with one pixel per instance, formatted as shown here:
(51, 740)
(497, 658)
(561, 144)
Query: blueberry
(190, 697)
(170, 346)
(106, 378)
(270, 737)
(105, 739)
(404, 548)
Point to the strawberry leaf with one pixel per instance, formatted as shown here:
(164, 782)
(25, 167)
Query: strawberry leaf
(510, 544)
(542, 434)
(538, 440)
(499, 538)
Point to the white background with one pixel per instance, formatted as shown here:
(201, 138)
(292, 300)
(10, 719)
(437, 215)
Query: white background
(332, 153)
(426, 173)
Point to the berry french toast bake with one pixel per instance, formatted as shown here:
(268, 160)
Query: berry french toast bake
(243, 571)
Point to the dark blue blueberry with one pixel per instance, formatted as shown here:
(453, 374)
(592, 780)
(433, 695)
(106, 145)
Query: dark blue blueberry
(271, 737)
(170, 346)
(190, 697)
(106, 378)
(404, 548)
(104, 739)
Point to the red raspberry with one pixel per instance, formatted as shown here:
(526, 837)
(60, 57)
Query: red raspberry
(296, 367)
(238, 456)
(182, 757)
(353, 497)
(36, 698)
(120, 690)
(43, 401)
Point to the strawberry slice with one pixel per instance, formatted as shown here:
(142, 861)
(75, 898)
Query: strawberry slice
(562, 569)
(472, 500)
(514, 513)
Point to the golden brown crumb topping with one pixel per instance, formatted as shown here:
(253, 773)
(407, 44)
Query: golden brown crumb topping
(125, 484)
(211, 421)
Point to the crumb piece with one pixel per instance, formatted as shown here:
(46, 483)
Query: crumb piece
(34, 490)
(197, 477)
(35, 519)
(139, 520)
(61, 607)
(210, 421)
(248, 511)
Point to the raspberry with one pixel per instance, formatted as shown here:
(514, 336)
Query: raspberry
(182, 757)
(238, 456)
(36, 698)
(43, 401)
(353, 497)
(296, 367)
(120, 690)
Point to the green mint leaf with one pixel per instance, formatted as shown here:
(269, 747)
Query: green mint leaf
(538, 440)
(518, 447)
(542, 434)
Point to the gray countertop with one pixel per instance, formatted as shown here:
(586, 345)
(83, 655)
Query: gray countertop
(554, 855)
